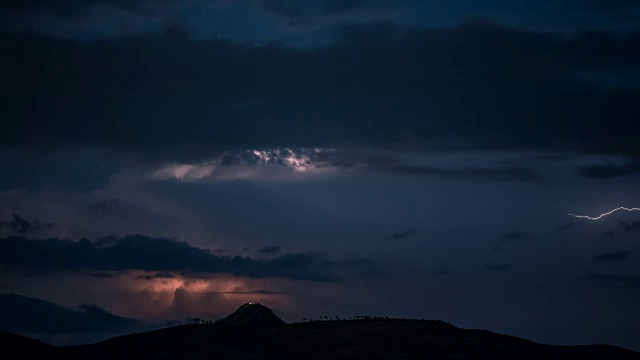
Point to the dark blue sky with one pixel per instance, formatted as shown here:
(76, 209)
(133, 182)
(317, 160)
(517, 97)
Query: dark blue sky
(170, 159)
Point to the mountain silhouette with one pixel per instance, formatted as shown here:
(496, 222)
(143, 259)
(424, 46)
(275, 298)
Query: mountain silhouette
(253, 314)
(26, 348)
(47, 317)
(253, 331)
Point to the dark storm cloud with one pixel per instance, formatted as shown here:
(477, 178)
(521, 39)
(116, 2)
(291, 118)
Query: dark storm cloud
(624, 228)
(370, 161)
(510, 237)
(508, 173)
(301, 13)
(139, 252)
(269, 249)
(294, 13)
(346, 6)
(255, 292)
(24, 314)
(21, 226)
(603, 4)
(403, 234)
(572, 14)
(612, 257)
(514, 236)
(609, 171)
(610, 234)
(67, 8)
(109, 205)
(158, 275)
(442, 270)
(570, 225)
(615, 281)
(481, 86)
(498, 267)
(628, 227)
(102, 275)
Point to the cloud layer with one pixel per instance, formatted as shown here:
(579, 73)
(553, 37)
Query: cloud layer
(612, 257)
(20, 226)
(473, 86)
(139, 252)
(69, 8)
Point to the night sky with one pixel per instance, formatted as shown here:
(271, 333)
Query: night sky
(164, 160)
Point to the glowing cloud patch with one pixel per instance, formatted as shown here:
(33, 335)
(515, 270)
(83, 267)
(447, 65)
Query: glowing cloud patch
(184, 172)
(603, 215)
(264, 164)
(181, 296)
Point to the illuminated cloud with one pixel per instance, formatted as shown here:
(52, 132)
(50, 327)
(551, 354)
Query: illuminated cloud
(265, 164)
(183, 296)
(129, 294)
(183, 172)
(283, 164)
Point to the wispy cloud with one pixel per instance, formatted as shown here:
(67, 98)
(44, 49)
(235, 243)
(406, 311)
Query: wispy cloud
(403, 234)
(606, 280)
(612, 257)
(269, 249)
(498, 267)
(509, 238)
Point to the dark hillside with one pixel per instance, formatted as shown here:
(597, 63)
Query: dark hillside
(24, 347)
(255, 332)
(346, 339)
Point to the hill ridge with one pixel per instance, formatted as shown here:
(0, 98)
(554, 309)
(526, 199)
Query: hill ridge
(253, 331)
(253, 314)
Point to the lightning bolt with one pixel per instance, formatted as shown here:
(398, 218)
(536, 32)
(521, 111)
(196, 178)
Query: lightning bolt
(603, 215)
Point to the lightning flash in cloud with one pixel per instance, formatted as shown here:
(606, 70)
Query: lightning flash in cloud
(603, 215)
